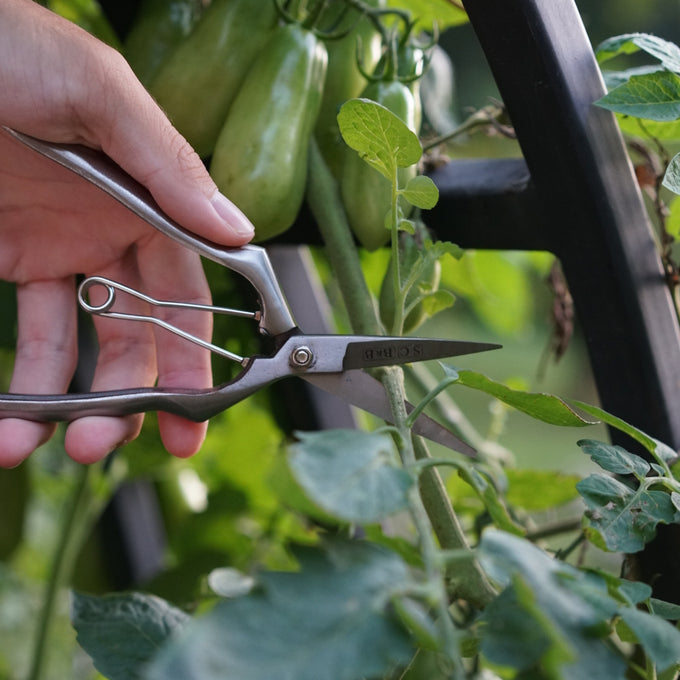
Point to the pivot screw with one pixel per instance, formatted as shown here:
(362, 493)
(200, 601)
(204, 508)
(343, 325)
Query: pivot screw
(301, 357)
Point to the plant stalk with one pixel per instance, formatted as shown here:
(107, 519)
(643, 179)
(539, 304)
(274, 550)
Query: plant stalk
(430, 508)
(85, 505)
(323, 197)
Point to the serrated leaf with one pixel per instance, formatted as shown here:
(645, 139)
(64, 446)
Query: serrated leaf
(122, 633)
(613, 79)
(662, 452)
(654, 96)
(421, 191)
(545, 407)
(557, 599)
(438, 249)
(625, 518)
(615, 458)
(660, 639)
(379, 136)
(329, 621)
(350, 474)
(671, 179)
(666, 52)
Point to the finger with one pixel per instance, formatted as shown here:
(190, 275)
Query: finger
(171, 272)
(126, 359)
(113, 112)
(45, 359)
(135, 132)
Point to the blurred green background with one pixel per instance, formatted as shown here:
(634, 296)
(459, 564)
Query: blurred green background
(221, 507)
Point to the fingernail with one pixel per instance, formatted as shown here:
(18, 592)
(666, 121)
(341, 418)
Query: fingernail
(236, 220)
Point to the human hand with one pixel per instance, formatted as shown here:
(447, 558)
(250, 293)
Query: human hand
(60, 84)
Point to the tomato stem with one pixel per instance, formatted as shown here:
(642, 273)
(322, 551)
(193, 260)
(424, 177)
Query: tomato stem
(431, 506)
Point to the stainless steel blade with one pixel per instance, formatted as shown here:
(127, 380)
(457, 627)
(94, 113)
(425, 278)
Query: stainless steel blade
(362, 390)
(389, 351)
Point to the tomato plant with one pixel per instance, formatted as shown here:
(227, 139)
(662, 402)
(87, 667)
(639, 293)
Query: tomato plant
(349, 554)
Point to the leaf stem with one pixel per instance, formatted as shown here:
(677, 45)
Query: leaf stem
(430, 396)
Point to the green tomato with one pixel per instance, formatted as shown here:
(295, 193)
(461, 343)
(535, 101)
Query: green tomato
(260, 158)
(159, 26)
(199, 82)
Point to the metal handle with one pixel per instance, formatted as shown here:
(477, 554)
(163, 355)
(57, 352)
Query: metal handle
(250, 261)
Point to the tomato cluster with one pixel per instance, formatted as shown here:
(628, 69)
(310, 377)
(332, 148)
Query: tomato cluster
(250, 82)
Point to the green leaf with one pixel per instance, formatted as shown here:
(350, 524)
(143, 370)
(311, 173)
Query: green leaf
(122, 633)
(492, 501)
(414, 616)
(500, 286)
(379, 136)
(437, 301)
(353, 475)
(437, 249)
(421, 191)
(666, 52)
(655, 96)
(659, 639)
(563, 607)
(516, 633)
(404, 225)
(649, 129)
(673, 221)
(545, 407)
(613, 79)
(634, 592)
(329, 621)
(671, 179)
(615, 458)
(446, 14)
(662, 452)
(535, 490)
(625, 518)
(666, 610)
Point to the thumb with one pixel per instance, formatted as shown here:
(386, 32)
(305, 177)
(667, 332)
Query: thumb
(143, 142)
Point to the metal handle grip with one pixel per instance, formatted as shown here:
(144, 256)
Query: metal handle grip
(250, 261)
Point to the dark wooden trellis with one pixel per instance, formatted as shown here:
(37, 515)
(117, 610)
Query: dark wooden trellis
(573, 194)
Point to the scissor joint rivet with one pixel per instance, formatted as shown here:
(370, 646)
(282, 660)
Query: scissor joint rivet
(301, 357)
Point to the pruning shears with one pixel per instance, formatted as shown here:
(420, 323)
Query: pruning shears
(334, 363)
